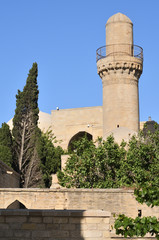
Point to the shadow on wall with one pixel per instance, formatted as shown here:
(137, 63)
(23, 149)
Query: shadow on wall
(54, 224)
(42, 224)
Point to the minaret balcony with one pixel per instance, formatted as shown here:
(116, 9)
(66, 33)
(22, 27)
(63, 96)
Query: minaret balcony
(114, 50)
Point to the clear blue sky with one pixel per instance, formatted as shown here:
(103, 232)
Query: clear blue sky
(62, 37)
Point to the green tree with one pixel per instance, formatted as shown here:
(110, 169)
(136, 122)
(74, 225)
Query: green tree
(109, 165)
(145, 151)
(50, 156)
(91, 166)
(26, 132)
(6, 145)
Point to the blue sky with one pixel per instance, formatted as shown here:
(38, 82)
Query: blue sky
(62, 37)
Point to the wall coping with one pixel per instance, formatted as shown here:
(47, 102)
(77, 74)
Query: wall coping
(54, 213)
(67, 190)
(76, 109)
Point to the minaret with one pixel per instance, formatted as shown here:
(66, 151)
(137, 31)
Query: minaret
(119, 65)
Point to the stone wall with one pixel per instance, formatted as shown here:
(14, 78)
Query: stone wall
(54, 224)
(76, 213)
(68, 122)
(112, 200)
(8, 177)
(65, 123)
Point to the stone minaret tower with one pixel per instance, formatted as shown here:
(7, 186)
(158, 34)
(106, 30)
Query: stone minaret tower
(119, 65)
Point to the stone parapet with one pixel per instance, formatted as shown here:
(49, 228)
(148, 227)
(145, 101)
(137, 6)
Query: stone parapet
(111, 200)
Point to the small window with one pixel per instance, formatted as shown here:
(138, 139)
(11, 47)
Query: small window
(139, 213)
(117, 126)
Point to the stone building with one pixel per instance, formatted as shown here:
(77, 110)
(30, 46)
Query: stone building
(85, 214)
(119, 65)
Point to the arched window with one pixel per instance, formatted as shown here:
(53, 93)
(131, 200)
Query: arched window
(16, 205)
(77, 137)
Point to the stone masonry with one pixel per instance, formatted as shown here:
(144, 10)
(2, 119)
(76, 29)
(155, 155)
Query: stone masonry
(54, 225)
(66, 213)
(120, 68)
(85, 214)
(111, 200)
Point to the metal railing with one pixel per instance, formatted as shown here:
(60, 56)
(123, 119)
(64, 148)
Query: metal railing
(118, 50)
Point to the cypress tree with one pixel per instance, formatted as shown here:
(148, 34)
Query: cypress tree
(6, 145)
(26, 132)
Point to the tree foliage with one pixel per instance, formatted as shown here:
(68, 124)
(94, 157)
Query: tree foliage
(107, 165)
(129, 227)
(6, 145)
(50, 156)
(26, 132)
(91, 166)
(145, 150)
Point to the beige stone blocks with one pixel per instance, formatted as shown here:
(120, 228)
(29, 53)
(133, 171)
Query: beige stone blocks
(52, 224)
(91, 218)
(120, 77)
(68, 122)
(120, 70)
(111, 200)
(65, 123)
(55, 183)
(119, 30)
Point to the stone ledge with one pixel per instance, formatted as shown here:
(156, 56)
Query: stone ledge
(74, 190)
(76, 109)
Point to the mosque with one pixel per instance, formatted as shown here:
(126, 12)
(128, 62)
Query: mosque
(83, 213)
(119, 65)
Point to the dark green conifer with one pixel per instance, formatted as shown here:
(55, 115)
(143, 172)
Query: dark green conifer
(26, 132)
(6, 145)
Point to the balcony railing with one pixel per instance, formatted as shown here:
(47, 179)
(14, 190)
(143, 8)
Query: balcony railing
(119, 50)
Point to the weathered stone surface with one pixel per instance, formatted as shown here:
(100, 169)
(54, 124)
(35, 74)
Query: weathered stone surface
(120, 70)
(111, 200)
(24, 224)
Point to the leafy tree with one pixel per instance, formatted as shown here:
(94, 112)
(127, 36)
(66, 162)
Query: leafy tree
(80, 167)
(50, 156)
(150, 127)
(129, 227)
(26, 132)
(145, 151)
(6, 145)
(109, 165)
(93, 167)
